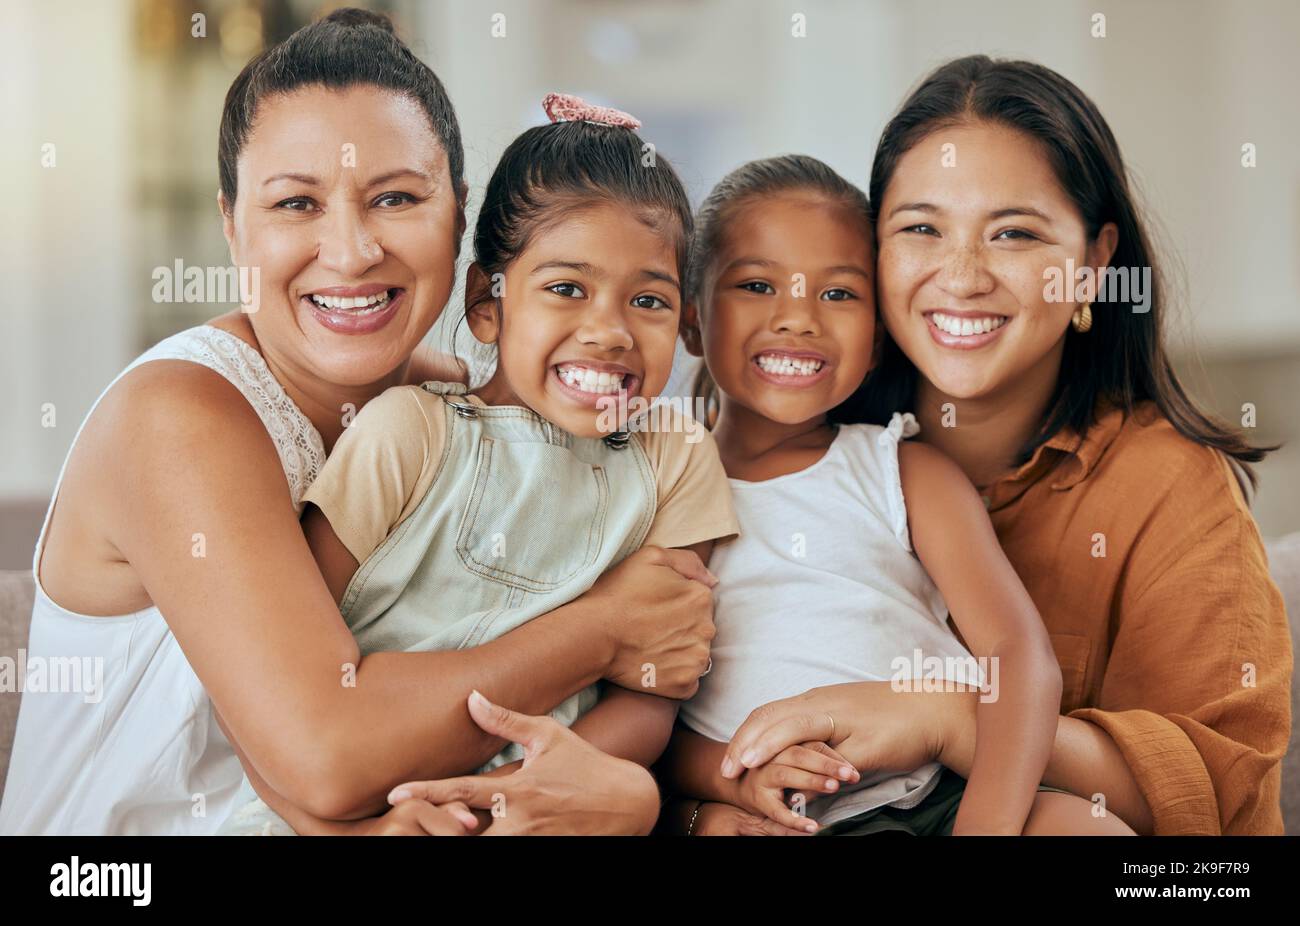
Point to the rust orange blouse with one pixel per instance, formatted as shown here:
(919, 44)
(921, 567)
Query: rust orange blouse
(1141, 554)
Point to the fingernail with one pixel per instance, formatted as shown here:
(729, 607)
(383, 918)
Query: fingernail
(398, 794)
(810, 826)
(846, 772)
(728, 767)
(831, 784)
(749, 758)
(477, 695)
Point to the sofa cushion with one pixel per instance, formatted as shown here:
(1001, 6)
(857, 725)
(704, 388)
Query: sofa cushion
(1284, 564)
(16, 593)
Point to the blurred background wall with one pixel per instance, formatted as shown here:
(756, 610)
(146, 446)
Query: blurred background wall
(130, 100)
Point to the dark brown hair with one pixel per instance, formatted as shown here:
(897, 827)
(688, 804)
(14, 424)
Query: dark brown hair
(346, 48)
(1122, 360)
(555, 168)
(767, 177)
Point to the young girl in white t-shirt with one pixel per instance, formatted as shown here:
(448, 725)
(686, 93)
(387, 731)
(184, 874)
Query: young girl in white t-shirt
(853, 545)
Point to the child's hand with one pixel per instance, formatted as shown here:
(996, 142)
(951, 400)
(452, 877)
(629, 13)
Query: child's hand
(415, 817)
(810, 766)
(715, 819)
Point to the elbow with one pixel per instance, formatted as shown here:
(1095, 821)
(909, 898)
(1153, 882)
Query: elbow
(321, 775)
(1035, 668)
(328, 785)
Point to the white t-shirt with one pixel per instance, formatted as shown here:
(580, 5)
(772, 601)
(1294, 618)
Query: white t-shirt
(140, 754)
(821, 588)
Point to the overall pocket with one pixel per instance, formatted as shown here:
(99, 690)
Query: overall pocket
(535, 517)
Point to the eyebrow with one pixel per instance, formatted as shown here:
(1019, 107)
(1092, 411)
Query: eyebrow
(591, 271)
(930, 208)
(576, 265)
(311, 180)
(761, 262)
(849, 268)
(747, 262)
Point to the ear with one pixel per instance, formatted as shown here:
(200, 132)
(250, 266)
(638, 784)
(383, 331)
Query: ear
(1102, 248)
(689, 328)
(481, 305)
(227, 224)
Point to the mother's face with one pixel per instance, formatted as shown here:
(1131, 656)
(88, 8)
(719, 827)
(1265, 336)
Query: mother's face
(965, 235)
(344, 198)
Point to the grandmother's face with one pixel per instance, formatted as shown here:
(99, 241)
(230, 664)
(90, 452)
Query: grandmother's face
(346, 210)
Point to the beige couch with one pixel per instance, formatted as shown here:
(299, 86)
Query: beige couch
(1284, 558)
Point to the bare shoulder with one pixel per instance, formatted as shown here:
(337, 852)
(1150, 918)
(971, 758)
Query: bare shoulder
(923, 467)
(166, 434)
(170, 406)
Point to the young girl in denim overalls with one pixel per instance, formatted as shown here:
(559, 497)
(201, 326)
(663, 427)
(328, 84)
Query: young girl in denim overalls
(460, 516)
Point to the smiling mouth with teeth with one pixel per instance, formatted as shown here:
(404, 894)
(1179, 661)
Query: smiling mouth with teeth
(785, 365)
(594, 381)
(358, 305)
(966, 327)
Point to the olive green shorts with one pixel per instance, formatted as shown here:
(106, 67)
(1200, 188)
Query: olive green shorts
(934, 816)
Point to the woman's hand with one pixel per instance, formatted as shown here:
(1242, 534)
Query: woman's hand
(657, 607)
(565, 785)
(870, 724)
(714, 819)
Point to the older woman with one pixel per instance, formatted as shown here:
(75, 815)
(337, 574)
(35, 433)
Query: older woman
(173, 552)
(1114, 496)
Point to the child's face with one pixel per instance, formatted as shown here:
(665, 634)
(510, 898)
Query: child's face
(590, 308)
(789, 320)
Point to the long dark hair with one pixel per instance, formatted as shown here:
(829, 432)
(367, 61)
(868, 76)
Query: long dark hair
(346, 48)
(1122, 359)
(756, 179)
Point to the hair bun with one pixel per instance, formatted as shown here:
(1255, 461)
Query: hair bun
(352, 16)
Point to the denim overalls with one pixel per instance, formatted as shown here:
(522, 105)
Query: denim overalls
(521, 517)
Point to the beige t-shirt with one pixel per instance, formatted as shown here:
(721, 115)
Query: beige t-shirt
(385, 462)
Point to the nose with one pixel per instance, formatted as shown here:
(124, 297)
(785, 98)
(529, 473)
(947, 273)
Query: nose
(796, 315)
(347, 245)
(963, 274)
(604, 325)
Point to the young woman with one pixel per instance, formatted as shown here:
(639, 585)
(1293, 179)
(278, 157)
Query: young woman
(1113, 495)
(173, 551)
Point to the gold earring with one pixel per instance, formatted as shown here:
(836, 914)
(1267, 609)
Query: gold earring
(1082, 319)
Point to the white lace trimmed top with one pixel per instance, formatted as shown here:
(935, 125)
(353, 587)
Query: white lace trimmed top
(142, 755)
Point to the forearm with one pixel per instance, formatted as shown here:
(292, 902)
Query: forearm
(1084, 760)
(406, 712)
(691, 767)
(632, 725)
(676, 816)
(1016, 721)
